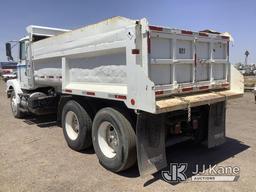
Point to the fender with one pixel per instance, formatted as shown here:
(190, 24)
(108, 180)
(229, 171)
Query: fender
(13, 85)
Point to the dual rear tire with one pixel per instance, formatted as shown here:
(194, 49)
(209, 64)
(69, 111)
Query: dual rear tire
(110, 133)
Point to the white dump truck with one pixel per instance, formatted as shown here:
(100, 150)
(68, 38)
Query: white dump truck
(127, 88)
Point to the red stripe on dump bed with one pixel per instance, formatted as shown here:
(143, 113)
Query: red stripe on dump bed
(187, 32)
(120, 97)
(68, 90)
(135, 51)
(187, 89)
(90, 93)
(203, 34)
(224, 37)
(225, 84)
(204, 87)
(159, 92)
(155, 28)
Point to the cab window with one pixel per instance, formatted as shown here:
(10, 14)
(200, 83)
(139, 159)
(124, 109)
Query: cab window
(22, 50)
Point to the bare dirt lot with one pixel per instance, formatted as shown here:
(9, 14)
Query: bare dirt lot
(34, 157)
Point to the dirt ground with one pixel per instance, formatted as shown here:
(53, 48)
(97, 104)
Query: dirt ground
(34, 157)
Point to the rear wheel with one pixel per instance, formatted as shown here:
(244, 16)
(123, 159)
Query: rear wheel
(77, 125)
(17, 113)
(114, 140)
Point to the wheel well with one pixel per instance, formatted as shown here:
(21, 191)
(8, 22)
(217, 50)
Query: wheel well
(93, 105)
(10, 88)
(9, 91)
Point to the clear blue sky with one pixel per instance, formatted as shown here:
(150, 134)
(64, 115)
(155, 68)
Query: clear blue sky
(237, 17)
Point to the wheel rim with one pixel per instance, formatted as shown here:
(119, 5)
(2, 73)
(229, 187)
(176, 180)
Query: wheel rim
(14, 104)
(72, 125)
(108, 139)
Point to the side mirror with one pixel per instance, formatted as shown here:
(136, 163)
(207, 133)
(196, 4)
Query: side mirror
(8, 49)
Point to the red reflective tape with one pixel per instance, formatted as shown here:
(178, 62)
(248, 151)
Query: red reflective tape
(68, 90)
(159, 92)
(90, 93)
(187, 32)
(224, 37)
(187, 89)
(155, 28)
(225, 84)
(204, 87)
(135, 51)
(120, 97)
(203, 34)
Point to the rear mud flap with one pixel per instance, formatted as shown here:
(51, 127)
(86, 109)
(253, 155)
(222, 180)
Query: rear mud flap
(217, 124)
(150, 133)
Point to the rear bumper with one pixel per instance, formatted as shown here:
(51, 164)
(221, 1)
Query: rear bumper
(181, 102)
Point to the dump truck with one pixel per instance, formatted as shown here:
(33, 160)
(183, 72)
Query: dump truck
(127, 88)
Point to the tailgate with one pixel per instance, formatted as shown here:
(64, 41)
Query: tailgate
(184, 61)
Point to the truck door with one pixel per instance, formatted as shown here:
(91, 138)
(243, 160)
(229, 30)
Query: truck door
(22, 67)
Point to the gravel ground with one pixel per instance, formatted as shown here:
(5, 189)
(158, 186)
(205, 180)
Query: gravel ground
(34, 157)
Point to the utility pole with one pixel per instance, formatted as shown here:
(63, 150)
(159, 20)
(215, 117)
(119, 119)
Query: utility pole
(246, 57)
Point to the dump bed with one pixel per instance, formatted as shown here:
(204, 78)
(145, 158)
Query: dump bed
(149, 68)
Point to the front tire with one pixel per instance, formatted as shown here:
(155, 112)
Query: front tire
(114, 140)
(77, 125)
(17, 113)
